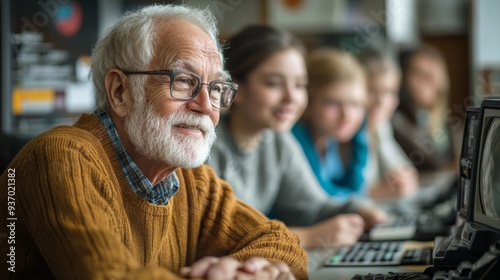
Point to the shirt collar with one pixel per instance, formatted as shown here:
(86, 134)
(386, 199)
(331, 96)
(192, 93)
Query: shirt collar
(158, 194)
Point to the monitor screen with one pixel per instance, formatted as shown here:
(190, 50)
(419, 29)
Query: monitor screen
(486, 169)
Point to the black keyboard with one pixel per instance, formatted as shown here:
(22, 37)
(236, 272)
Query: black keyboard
(392, 276)
(375, 253)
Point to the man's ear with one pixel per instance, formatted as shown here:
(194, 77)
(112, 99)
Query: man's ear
(118, 91)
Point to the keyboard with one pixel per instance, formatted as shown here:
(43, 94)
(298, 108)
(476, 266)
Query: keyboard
(423, 227)
(392, 276)
(375, 253)
(401, 228)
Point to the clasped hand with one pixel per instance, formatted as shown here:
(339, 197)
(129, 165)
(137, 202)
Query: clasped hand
(230, 268)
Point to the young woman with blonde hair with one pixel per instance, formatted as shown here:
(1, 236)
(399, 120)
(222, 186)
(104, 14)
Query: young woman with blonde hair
(332, 131)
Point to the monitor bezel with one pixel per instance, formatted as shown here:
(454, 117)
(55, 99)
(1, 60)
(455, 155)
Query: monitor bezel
(490, 108)
(466, 212)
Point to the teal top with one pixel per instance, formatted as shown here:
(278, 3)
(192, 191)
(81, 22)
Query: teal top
(339, 181)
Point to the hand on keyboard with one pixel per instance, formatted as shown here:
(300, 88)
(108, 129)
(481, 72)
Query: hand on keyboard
(372, 216)
(339, 230)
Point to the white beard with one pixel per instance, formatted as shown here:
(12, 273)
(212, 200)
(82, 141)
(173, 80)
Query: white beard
(153, 137)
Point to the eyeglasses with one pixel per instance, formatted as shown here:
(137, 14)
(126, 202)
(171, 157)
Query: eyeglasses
(185, 85)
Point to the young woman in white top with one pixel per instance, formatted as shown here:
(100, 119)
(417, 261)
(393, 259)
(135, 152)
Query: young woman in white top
(390, 173)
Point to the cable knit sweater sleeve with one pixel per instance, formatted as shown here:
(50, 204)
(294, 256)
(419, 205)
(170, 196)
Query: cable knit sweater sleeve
(231, 227)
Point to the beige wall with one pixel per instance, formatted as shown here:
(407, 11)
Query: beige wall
(232, 15)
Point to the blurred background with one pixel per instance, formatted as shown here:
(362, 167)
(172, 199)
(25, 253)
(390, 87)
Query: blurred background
(46, 46)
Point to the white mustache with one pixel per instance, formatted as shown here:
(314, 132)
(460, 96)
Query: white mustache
(190, 120)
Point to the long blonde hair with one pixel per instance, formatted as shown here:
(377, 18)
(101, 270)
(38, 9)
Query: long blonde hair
(379, 63)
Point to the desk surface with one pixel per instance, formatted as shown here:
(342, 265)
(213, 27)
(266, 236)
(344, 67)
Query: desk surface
(317, 256)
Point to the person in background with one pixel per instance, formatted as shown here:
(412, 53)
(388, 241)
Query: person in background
(332, 130)
(420, 123)
(123, 194)
(389, 172)
(257, 154)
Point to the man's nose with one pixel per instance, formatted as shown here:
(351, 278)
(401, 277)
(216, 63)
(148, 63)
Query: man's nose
(201, 103)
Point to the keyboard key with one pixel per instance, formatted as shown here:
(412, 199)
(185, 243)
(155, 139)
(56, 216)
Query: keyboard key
(379, 256)
(391, 276)
(368, 257)
(387, 256)
(336, 259)
(375, 245)
(393, 247)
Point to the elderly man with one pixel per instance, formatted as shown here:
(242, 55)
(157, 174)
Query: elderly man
(121, 193)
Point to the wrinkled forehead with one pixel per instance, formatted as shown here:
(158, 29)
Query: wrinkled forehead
(182, 43)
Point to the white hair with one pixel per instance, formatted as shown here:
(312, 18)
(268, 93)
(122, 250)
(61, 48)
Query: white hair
(129, 44)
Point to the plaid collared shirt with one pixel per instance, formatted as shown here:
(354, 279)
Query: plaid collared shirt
(159, 194)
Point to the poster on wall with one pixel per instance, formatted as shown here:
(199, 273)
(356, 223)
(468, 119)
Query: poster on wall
(316, 16)
(50, 42)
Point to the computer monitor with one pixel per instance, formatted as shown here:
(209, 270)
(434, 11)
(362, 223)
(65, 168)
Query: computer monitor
(466, 159)
(473, 235)
(486, 175)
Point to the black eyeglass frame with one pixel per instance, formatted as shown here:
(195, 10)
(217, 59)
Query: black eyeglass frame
(172, 73)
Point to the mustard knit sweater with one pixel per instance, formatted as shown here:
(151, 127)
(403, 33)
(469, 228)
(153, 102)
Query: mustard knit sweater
(76, 217)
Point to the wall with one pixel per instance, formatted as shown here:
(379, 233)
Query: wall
(485, 48)
(232, 15)
(486, 39)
